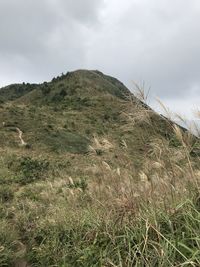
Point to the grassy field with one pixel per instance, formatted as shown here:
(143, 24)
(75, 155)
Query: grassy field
(107, 183)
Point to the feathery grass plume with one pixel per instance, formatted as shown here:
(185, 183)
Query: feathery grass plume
(194, 128)
(137, 112)
(188, 136)
(141, 93)
(123, 143)
(179, 134)
(106, 165)
(71, 181)
(100, 145)
(196, 124)
(167, 111)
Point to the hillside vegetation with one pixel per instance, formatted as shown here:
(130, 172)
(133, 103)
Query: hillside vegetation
(92, 176)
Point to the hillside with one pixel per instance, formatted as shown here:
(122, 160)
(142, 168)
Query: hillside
(72, 150)
(64, 116)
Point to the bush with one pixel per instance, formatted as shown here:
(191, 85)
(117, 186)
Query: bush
(45, 89)
(32, 170)
(63, 93)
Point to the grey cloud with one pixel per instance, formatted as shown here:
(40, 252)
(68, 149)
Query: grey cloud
(45, 37)
(83, 11)
(24, 25)
(156, 41)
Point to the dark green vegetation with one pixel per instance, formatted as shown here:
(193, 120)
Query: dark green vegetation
(91, 176)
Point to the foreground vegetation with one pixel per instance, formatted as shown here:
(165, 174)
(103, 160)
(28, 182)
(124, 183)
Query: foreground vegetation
(103, 200)
(150, 219)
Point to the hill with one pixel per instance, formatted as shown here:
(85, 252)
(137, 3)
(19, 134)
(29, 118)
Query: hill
(64, 115)
(78, 155)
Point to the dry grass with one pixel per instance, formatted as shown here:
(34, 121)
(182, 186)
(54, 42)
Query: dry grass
(112, 216)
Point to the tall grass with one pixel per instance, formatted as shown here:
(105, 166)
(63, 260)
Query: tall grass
(150, 217)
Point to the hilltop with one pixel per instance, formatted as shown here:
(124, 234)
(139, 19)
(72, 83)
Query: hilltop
(80, 156)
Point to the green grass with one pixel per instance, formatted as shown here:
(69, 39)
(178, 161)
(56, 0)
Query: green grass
(104, 181)
(63, 141)
(165, 240)
(91, 237)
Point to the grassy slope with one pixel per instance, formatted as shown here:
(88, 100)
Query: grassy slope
(63, 117)
(78, 194)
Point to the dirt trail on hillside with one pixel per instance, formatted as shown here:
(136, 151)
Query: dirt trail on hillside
(22, 142)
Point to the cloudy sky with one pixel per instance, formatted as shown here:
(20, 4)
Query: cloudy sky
(151, 41)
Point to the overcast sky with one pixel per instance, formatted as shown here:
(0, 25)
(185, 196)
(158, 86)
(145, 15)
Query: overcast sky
(151, 41)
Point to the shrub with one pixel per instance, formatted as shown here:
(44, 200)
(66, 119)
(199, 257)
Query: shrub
(63, 93)
(45, 89)
(31, 170)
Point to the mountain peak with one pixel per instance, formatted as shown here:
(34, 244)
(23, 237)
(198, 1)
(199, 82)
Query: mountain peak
(81, 83)
(93, 81)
